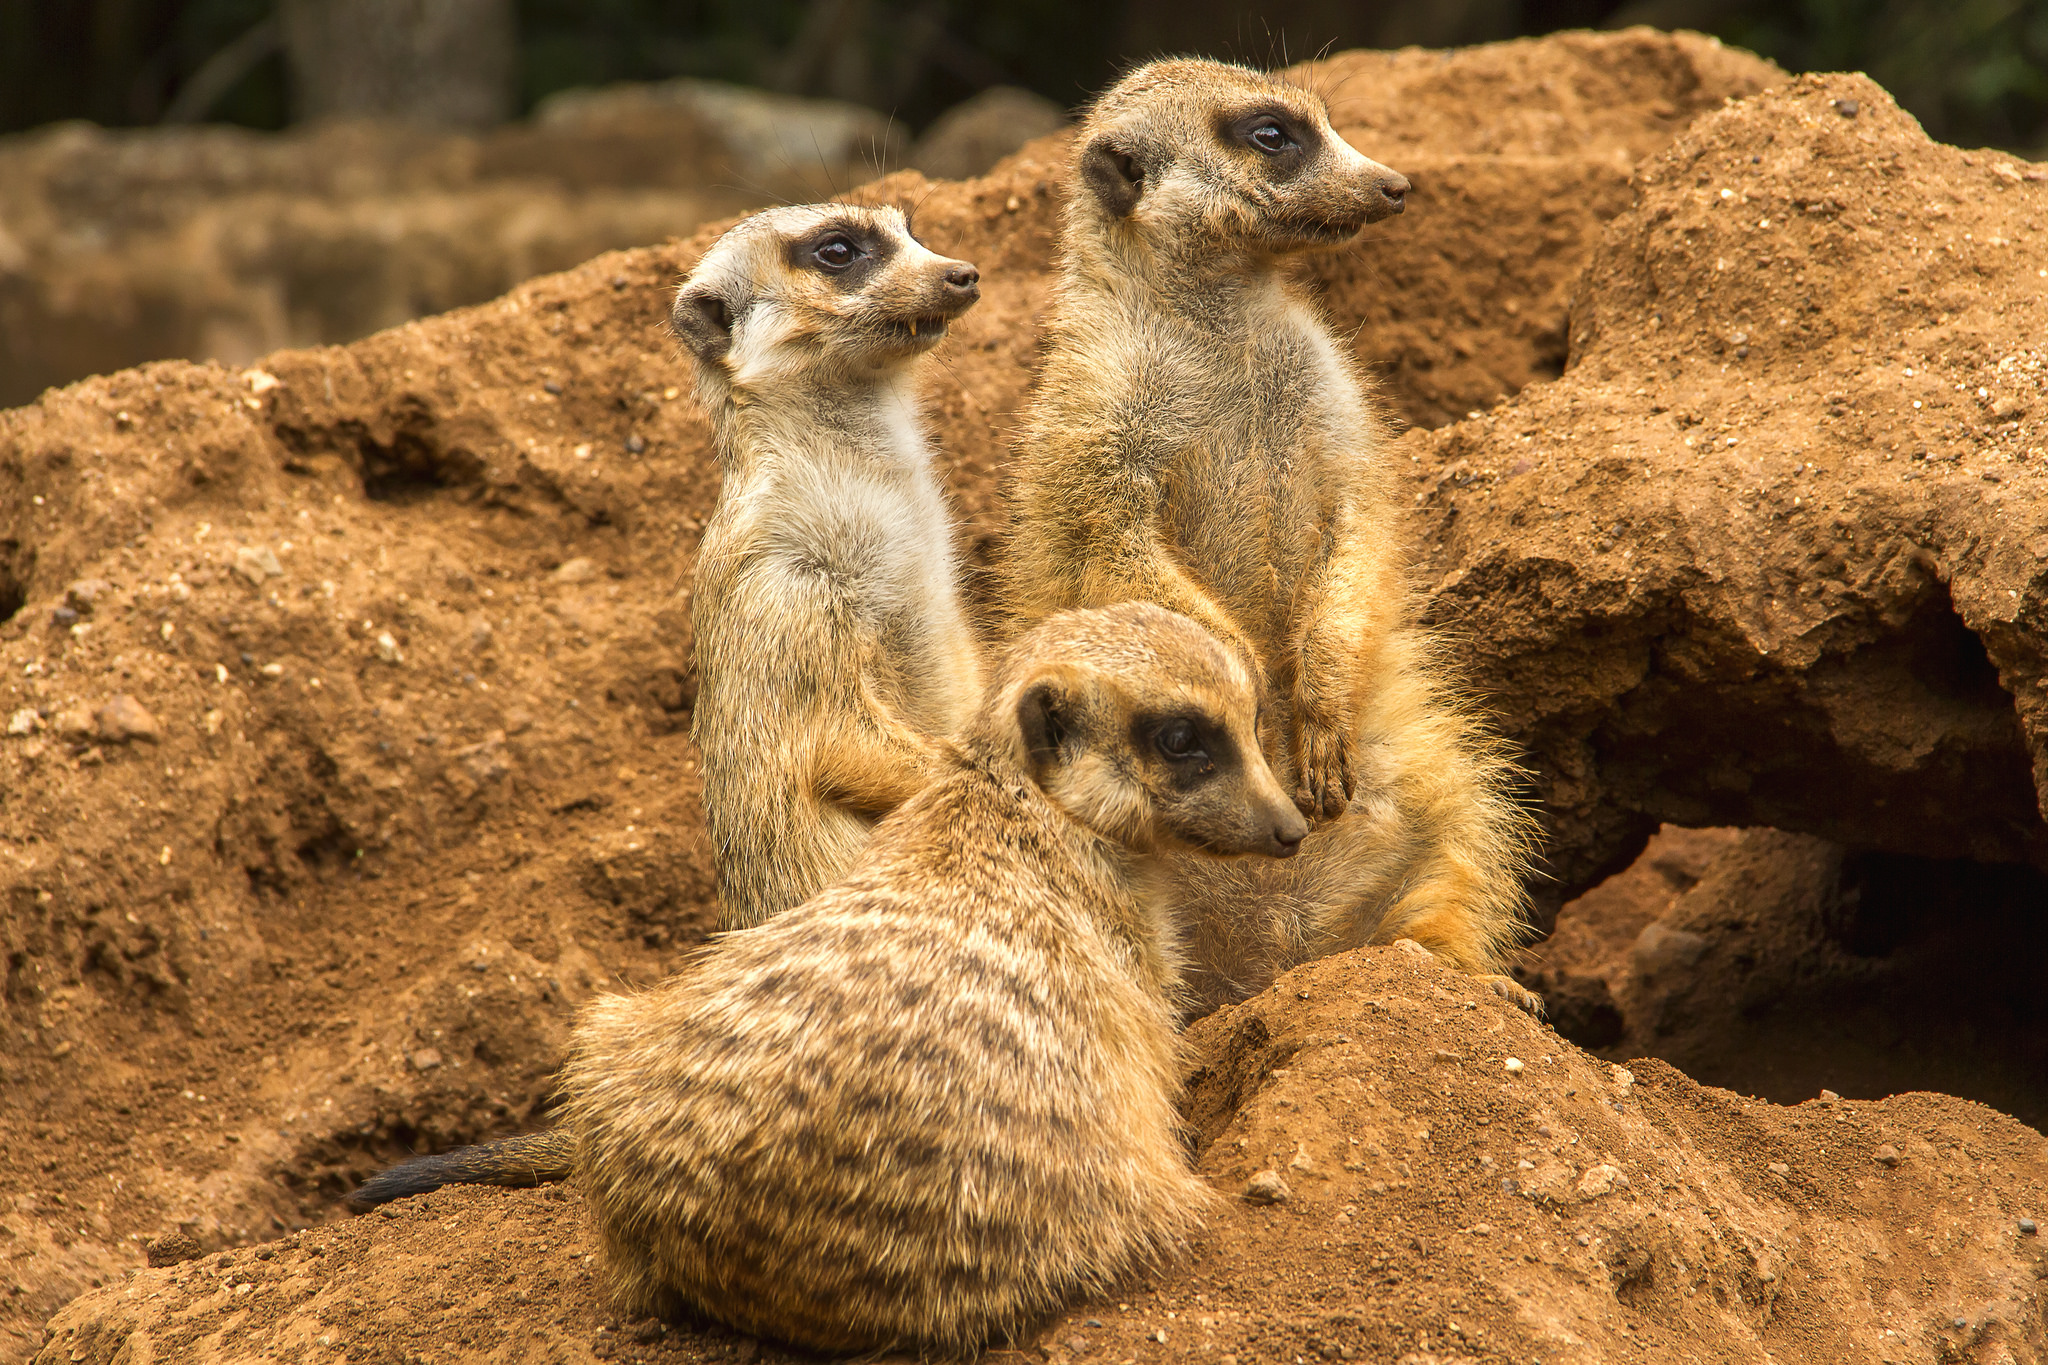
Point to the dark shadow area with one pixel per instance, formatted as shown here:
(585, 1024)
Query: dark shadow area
(1779, 965)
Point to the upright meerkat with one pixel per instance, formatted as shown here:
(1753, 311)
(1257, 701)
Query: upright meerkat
(1199, 439)
(938, 1099)
(832, 649)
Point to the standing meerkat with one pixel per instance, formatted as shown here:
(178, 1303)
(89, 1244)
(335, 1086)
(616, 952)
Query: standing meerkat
(832, 649)
(938, 1099)
(1199, 439)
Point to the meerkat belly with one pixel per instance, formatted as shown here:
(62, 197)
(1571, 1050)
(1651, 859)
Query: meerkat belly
(1243, 514)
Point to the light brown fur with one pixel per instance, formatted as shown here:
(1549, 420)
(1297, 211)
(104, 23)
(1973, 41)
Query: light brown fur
(938, 1100)
(1199, 439)
(832, 650)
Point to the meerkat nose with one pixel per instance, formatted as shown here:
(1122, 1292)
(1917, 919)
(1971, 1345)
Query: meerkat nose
(962, 277)
(1396, 191)
(1288, 830)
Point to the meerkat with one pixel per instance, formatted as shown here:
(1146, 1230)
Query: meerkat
(832, 649)
(1198, 438)
(938, 1099)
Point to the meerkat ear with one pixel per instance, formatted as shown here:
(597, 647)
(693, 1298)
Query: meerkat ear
(702, 319)
(1113, 175)
(1041, 722)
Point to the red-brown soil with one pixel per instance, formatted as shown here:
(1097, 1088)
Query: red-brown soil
(413, 795)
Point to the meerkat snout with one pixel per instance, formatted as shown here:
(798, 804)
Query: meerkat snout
(1152, 746)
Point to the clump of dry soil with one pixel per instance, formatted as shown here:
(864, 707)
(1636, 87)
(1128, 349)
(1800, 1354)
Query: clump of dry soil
(403, 772)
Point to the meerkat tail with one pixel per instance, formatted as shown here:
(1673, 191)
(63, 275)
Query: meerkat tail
(515, 1162)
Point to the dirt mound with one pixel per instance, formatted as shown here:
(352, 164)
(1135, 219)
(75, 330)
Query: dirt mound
(346, 699)
(1770, 552)
(1453, 1184)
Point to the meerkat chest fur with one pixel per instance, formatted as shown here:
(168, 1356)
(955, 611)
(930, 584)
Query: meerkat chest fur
(837, 500)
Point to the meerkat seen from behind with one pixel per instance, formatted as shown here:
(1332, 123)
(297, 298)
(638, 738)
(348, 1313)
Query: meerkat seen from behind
(937, 1100)
(1198, 438)
(832, 649)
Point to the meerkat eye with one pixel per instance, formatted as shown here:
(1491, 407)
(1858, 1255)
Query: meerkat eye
(1268, 136)
(836, 253)
(1177, 740)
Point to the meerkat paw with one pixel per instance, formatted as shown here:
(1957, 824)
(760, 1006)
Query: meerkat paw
(1515, 993)
(1326, 779)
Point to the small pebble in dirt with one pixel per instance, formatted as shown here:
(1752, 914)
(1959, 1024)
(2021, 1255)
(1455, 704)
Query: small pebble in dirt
(390, 1211)
(1267, 1187)
(24, 722)
(62, 616)
(2028, 1227)
(1513, 1064)
(1886, 1155)
(1096, 1323)
(1076, 1345)
(554, 388)
(123, 719)
(635, 444)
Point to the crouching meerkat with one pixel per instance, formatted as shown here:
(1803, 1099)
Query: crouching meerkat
(831, 645)
(937, 1100)
(1199, 439)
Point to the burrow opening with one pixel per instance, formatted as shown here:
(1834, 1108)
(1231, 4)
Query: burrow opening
(1778, 965)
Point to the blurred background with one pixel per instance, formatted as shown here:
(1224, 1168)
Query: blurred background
(215, 179)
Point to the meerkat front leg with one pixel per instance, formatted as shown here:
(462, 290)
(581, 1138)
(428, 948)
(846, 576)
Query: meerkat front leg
(1347, 610)
(873, 762)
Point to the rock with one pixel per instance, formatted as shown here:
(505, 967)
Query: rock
(975, 134)
(257, 563)
(1303, 1163)
(1602, 1180)
(2028, 1227)
(1266, 1187)
(1661, 950)
(1886, 1156)
(171, 1248)
(425, 1058)
(123, 719)
(577, 570)
(76, 721)
(81, 595)
(26, 721)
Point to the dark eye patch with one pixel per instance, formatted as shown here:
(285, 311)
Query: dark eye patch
(1283, 140)
(1193, 746)
(845, 252)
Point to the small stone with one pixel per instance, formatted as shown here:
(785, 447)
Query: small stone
(1077, 1345)
(1624, 1079)
(1513, 1064)
(635, 444)
(123, 719)
(1446, 1055)
(171, 1248)
(387, 648)
(2028, 1227)
(1267, 1187)
(1095, 1323)
(63, 616)
(256, 563)
(1303, 1162)
(1829, 1097)
(1778, 1168)
(1602, 1180)
(76, 721)
(577, 570)
(426, 1059)
(1409, 945)
(1886, 1155)
(1846, 108)
(1663, 951)
(81, 596)
(26, 721)
(390, 1211)
(553, 387)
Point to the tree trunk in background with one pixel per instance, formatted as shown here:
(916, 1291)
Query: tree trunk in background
(448, 62)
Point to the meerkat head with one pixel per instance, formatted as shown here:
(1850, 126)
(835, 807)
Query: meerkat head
(1233, 156)
(819, 291)
(1139, 724)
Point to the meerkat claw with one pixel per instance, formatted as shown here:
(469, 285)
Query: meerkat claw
(1516, 994)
